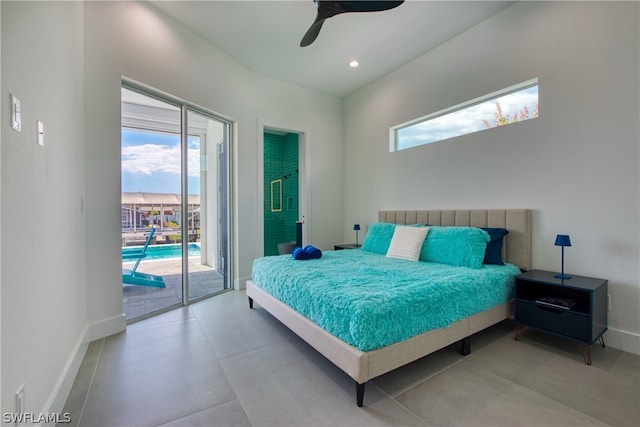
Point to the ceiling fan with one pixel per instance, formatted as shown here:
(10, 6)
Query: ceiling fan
(329, 8)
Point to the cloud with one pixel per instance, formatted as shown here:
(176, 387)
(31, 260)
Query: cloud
(147, 159)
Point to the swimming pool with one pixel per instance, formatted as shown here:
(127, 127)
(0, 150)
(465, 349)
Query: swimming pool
(164, 251)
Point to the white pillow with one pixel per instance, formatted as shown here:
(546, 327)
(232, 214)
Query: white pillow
(406, 242)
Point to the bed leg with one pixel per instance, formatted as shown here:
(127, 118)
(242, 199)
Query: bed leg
(359, 394)
(250, 302)
(465, 346)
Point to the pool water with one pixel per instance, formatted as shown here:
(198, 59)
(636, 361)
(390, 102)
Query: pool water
(164, 251)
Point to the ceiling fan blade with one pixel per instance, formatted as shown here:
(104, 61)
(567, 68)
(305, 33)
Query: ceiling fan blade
(329, 8)
(326, 9)
(366, 6)
(312, 33)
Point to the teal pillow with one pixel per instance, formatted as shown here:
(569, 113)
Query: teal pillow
(458, 246)
(378, 237)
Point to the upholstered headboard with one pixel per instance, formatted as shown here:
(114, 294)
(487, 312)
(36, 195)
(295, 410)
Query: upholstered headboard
(517, 245)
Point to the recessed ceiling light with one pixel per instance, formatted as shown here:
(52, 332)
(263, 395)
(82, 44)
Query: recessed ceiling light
(354, 64)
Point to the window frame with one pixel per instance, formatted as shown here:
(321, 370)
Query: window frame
(394, 131)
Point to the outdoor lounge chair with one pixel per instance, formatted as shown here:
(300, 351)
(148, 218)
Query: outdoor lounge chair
(133, 277)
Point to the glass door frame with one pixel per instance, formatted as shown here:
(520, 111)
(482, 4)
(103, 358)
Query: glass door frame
(222, 194)
(227, 191)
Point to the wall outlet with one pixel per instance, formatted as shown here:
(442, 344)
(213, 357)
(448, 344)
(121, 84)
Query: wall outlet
(20, 400)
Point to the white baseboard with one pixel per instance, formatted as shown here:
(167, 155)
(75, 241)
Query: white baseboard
(91, 332)
(60, 393)
(241, 283)
(106, 327)
(623, 340)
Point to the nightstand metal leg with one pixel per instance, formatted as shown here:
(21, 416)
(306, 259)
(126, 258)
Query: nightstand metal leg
(586, 350)
(519, 330)
(586, 353)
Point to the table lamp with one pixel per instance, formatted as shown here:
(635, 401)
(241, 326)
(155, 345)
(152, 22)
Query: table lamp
(562, 240)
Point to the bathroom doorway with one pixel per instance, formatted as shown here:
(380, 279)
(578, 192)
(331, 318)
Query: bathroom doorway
(283, 205)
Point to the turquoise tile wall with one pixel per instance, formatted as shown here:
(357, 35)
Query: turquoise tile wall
(280, 162)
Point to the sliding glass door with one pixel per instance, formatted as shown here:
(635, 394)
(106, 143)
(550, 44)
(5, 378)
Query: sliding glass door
(207, 220)
(175, 190)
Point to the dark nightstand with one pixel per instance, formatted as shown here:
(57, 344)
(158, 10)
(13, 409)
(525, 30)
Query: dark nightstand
(573, 308)
(346, 246)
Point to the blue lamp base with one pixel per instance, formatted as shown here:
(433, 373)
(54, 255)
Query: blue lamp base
(562, 275)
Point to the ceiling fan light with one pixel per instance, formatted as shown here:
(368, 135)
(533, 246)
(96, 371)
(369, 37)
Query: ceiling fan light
(354, 64)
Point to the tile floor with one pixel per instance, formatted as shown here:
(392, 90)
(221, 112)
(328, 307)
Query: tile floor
(218, 363)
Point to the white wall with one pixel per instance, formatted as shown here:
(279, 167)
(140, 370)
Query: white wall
(322, 117)
(61, 268)
(576, 165)
(44, 309)
(137, 41)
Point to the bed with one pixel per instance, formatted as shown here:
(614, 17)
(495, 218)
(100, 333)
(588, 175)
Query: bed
(359, 353)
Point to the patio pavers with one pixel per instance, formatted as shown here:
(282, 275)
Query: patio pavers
(139, 301)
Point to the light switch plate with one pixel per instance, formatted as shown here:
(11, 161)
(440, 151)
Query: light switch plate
(16, 114)
(40, 133)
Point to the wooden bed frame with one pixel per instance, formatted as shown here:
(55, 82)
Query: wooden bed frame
(365, 365)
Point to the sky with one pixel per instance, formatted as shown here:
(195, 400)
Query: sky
(151, 162)
(468, 120)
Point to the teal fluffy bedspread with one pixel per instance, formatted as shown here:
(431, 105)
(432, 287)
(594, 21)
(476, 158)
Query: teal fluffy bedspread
(371, 301)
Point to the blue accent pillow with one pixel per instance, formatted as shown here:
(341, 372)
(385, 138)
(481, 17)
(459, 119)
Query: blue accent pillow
(493, 254)
(378, 237)
(299, 254)
(458, 246)
(312, 252)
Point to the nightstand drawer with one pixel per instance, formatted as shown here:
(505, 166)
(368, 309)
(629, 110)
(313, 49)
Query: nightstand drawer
(563, 322)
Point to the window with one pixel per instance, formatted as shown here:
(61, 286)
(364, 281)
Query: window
(511, 105)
